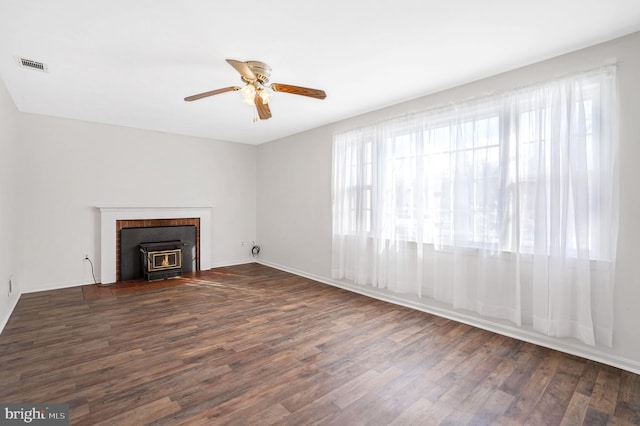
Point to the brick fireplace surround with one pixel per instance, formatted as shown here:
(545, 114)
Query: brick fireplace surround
(114, 219)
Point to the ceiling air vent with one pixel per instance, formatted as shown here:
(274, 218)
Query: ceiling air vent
(28, 63)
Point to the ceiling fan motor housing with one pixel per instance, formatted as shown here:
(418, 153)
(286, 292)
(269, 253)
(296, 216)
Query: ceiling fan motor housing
(261, 70)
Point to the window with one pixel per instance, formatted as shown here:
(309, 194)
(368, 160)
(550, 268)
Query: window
(504, 205)
(477, 175)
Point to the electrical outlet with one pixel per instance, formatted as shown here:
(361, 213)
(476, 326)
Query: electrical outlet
(86, 257)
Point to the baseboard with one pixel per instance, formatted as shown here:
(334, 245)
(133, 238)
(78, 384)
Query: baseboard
(13, 301)
(233, 262)
(504, 329)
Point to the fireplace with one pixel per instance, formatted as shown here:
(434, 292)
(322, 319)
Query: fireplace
(114, 219)
(175, 234)
(161, 260)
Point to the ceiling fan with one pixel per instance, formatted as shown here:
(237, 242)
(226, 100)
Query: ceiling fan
(257, 90)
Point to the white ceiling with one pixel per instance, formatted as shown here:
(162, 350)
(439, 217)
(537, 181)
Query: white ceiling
(131, 63)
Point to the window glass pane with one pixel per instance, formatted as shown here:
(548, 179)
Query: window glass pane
(440, 139)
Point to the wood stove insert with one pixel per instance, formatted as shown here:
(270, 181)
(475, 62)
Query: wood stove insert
(161, 260)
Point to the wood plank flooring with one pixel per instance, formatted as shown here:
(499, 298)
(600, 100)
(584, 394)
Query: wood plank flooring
(256, 346)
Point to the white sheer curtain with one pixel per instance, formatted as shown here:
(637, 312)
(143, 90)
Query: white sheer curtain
(505, 206)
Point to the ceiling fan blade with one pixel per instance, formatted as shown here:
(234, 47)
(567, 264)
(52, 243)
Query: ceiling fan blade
(297, 90)
(264, 112)
(243, 69)
(211, 93)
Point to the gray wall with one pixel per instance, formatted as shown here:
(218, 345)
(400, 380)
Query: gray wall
(8, 210)
(68, 167)
(294, 193)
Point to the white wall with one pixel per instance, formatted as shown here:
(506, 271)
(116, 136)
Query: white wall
(294, 201)
(68, 167)
(8, 212)
(294, 195)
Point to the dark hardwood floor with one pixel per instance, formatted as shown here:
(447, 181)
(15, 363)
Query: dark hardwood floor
(253, 345)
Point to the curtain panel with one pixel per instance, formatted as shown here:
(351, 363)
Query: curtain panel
(505, 205)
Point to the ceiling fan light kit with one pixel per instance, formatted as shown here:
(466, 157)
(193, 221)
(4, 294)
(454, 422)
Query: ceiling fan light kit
(257, 90)
(248, 93)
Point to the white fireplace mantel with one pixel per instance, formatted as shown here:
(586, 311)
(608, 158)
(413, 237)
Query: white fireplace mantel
(109, 216)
